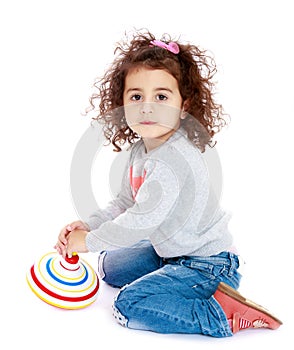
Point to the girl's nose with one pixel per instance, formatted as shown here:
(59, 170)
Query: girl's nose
(146, 108)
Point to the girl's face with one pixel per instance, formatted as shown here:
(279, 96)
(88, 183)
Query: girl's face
(152, 103)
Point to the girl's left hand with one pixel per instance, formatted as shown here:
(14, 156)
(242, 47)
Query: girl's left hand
(76, 242)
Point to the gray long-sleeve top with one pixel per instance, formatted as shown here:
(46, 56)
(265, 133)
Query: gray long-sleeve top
(166, 197)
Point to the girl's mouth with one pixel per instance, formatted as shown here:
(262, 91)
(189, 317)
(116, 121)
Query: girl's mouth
(147, 122)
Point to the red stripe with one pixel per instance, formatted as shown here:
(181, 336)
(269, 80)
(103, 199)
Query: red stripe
(67, 268)
(60, 297)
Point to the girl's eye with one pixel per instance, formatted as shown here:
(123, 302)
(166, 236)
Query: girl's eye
(136, 97)
(161, 97)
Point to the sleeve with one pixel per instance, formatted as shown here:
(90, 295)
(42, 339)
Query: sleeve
(114, 208)
(153, 203)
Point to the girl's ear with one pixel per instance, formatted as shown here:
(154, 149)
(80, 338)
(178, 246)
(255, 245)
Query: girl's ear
(184, 109)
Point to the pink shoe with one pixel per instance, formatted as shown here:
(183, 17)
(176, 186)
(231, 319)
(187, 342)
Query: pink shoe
(243, 313)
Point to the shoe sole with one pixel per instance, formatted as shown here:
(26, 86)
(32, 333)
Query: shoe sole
(231, 292)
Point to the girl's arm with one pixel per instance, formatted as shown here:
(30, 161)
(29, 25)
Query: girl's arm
(153, 204)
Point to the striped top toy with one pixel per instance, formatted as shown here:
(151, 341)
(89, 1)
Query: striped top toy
(69, 283)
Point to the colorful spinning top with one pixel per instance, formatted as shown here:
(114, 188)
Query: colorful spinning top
(69, 283)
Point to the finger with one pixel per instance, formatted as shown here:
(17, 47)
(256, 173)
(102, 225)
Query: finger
(69, 253)
(77, 225)
(61, 242)
(59, 247)
(62, 236)
(68, 250)
(64, 253)
(73, 226)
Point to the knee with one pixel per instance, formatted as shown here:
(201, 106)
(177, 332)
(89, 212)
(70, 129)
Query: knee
(132, 309)
(104, 272)
(119, 312)
(127, 301)
(109, 269)
(124, 306)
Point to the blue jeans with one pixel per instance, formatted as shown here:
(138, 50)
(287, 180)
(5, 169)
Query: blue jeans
(173, 295)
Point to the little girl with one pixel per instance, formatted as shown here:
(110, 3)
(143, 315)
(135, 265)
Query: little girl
(165, 240)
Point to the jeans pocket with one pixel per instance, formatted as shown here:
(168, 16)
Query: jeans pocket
(208, 270)
(207, 277)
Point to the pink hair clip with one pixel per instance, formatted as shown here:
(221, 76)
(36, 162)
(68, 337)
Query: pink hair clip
(172, 47)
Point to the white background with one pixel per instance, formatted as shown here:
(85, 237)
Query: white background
(51, 51)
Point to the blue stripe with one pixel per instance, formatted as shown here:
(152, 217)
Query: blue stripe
(64, 282)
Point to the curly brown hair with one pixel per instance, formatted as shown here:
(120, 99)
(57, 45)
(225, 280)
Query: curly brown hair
(191, 67)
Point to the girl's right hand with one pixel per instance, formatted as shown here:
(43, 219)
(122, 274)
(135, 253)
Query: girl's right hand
(60, 246)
